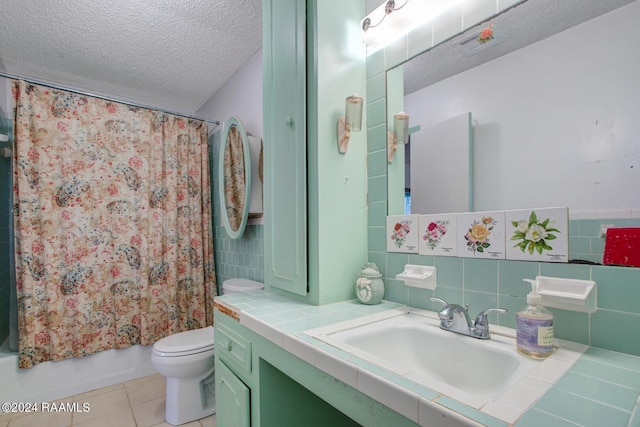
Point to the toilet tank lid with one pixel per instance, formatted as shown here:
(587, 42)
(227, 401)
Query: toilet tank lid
(242, 285)
(186, 341)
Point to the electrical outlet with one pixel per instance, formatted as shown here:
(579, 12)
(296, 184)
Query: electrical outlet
(604, 228)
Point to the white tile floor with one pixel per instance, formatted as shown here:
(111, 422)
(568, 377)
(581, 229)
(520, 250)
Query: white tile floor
(136, 403)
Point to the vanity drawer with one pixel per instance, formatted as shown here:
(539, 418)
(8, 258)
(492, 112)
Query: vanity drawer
(233, 348)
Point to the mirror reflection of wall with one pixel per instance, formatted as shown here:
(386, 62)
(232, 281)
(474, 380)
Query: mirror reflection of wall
(397, 174)
(555, 123)
(441, 156)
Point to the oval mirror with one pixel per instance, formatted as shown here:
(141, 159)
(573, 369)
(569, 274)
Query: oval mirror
(235, 177)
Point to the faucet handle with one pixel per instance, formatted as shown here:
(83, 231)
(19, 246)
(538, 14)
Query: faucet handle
(440, 300)
(481, 318)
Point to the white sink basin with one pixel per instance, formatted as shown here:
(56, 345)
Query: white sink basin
(467, 369)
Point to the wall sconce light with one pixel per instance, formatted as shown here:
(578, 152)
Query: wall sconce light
(393, 19)
(400, 134)
(351, 122)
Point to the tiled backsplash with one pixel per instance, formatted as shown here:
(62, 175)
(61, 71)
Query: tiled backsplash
(494, 283)
(490, 283)
(243, 257)
(585, 242)
(234, 258)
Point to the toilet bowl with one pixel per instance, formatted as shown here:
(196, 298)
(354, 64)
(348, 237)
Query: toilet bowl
(186, 360)
(236, 286)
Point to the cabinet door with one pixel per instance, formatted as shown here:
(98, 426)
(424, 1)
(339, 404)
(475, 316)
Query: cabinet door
(232, 399)
(284, 102)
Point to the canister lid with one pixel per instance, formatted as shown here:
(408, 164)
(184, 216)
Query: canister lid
(369, 269)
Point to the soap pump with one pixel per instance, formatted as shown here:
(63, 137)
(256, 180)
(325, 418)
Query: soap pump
(534, 326)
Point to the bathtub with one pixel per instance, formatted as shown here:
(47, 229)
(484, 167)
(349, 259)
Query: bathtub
(54, 380)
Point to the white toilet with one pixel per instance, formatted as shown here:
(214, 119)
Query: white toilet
(236, 286)
(186, 359)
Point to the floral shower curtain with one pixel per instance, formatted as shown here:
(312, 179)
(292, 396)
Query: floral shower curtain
(112, 222)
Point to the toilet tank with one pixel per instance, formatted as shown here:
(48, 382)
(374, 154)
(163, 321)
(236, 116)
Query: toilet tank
(235, 286)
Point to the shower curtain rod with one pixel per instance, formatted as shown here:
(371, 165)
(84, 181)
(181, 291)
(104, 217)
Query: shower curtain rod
(106, 98)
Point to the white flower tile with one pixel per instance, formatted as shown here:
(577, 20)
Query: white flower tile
(481, 235)
(402, 233)
(437, 235)
(538, 234)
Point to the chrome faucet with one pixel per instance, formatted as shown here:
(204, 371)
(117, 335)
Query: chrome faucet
(455, 318)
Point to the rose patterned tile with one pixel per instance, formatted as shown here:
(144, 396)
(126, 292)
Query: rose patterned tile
(437, 235)
(402, 233)
(481, 235)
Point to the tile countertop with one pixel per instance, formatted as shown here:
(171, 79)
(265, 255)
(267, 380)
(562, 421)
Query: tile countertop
(601, 388)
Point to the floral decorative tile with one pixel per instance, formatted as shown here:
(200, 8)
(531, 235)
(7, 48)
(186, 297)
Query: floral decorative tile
(402, 233)
(481, 235)
(437, 235)
(538, 234)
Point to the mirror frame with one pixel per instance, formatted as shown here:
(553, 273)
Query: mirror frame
(232, 122)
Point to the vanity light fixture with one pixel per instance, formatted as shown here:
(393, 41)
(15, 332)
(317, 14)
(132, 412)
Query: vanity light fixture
(389, 6)
(351, 122)
(393, 19)
(400, 134)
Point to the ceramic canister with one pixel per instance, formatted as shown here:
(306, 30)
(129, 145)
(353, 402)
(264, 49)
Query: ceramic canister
(369, 286)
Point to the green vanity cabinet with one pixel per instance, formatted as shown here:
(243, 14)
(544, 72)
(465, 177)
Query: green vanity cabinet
(232, 395)
(234, 378)
(285, 139)
(258, 383)
(315, 198)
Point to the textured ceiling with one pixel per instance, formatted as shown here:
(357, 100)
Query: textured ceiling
(168, 54)
(527, 23)
(175, 54)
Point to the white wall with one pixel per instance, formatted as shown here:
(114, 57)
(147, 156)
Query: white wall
(556, 123)
(240, 96)
(6, 104)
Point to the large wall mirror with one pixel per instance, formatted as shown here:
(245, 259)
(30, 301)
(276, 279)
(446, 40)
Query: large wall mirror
(554, 104)
(235, 177)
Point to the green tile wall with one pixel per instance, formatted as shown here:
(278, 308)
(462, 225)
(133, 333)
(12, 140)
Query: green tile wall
(490, 283)
(234, 258)
(602, 388)
(585, 242)
(486, 283)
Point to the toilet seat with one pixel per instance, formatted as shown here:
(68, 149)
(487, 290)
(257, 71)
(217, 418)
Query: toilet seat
(185, 343)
